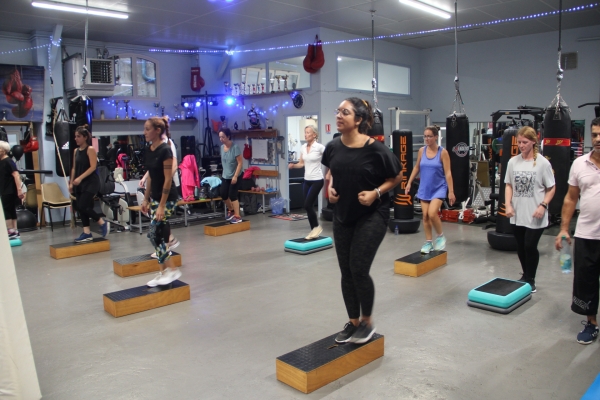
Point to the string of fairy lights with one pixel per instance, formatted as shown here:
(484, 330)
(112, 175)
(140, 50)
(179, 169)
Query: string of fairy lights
(345, 41)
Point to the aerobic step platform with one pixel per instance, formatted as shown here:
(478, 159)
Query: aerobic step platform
(225, 228)
(72, 249)
(417, 264)
(143, 264)
(306, 246)
(322, 362)
(593, 393)
(500, 295)
(144, 298)
(15, 242)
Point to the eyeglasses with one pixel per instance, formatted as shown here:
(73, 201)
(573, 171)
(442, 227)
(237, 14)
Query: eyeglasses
(344, 111)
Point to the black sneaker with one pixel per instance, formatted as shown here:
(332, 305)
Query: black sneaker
(363, 333)
(345, 335)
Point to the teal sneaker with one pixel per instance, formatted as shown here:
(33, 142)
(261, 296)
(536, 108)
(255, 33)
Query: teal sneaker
(427, 247)
(440, 243)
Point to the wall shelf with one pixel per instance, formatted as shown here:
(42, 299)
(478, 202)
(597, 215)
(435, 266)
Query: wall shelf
(143, 120)
(15, 123)
(257, 133)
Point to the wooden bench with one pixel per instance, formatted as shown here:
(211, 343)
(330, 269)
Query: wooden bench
(180, 203)
(263, 173)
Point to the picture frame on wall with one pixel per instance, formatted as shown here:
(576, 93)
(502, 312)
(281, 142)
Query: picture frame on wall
(23, 92)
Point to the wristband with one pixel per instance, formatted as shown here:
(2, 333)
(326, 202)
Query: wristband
(378, 193)
(545, 205)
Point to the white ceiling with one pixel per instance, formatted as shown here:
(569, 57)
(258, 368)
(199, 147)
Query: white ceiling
(220, 24)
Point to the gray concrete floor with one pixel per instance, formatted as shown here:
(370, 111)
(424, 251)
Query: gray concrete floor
(252, 302)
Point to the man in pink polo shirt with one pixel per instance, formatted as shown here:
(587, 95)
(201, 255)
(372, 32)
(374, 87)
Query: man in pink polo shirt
(584, 181)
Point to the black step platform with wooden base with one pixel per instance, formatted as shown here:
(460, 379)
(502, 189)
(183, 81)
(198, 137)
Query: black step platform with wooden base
(144, 298)
(417, 264)
(143, 264)
(314, 366)
(225, 228)
(72, 249)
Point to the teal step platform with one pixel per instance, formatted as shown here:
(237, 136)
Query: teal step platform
(15, 242)
(305, 246)
(500, 295)
(593, 393)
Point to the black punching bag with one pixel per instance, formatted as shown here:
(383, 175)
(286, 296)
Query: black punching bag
(502, 238)
(376, 130)
(402, 145)
(557, 149)
(457, 143)
(82, 110)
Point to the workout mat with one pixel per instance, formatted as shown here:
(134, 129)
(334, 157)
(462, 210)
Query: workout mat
(290, 217)
(305, 244)
(308, 251)
(498, 309)
(499, 292)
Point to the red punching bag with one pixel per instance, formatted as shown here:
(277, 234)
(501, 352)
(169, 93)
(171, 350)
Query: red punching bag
(196, 82)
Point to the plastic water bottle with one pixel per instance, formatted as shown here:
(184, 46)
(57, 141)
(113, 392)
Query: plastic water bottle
(565, 256)
(396, 230)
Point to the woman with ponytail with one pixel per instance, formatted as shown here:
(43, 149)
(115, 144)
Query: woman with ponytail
(361, 173)
(433, 163)
(529, 188)
(85, 183)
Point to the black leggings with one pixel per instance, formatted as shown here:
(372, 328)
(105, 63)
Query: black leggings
(356, 246)
(311, 191)
(527, 249)
(9, 205)
(85, 206)
(229, 190)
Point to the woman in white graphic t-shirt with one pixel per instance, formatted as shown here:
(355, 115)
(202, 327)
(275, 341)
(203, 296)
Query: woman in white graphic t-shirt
(529, 188)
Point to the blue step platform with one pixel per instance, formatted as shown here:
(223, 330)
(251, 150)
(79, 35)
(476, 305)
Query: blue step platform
(15, 242)
(500, 295)
(305, 246)
(593, 393)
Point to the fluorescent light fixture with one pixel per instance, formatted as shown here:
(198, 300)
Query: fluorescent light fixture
(588, 39)
(426, 7)
(52, 5)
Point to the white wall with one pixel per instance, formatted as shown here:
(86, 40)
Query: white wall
(511, 72)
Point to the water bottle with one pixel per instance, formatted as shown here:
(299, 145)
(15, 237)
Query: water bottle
(396, 230)
(565, 256)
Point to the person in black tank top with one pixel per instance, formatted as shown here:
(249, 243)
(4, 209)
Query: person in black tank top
(361, 173)
(10, 190)
(160, 198)
(84, 184)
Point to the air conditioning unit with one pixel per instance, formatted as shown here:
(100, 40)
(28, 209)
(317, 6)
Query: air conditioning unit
(100, 79)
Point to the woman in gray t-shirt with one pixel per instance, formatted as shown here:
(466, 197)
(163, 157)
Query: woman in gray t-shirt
(231, 159)
(529, 188)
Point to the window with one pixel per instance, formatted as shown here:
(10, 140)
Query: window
(354, 73)
(136, 77)
(393, 79)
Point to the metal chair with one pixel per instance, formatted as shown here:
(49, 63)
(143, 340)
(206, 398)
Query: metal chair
(52, 197)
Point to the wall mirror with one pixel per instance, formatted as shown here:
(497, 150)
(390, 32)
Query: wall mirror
(297, 77)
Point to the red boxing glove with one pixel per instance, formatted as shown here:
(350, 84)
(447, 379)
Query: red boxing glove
(308, 59)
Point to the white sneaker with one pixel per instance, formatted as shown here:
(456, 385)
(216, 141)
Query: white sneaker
(173, 243)
(314, 234)
(168, 276)
(154, 282)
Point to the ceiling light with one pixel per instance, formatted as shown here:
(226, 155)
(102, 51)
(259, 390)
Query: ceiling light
(426, 7)
(52, 5)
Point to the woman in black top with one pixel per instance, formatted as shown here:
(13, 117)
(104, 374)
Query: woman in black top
(160, 197)
(361, 173)
(10, 190)
(84, 183)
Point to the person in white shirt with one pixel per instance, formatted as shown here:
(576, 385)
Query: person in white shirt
(584, 186)
(310, 158)
(529, 188)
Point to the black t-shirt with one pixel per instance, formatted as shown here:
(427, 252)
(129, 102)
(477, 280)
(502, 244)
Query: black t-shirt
(154, 164)
(7, 180)
(90, 183)
(358, 169)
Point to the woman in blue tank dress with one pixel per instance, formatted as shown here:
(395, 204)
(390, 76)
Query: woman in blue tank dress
(433, 162)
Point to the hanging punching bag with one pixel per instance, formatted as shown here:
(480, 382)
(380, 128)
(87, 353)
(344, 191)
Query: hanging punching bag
(457, 143)
(376, 130)
(402, 145)
(502, 238)
(557, 149)
(81, 109)
(63, 145)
